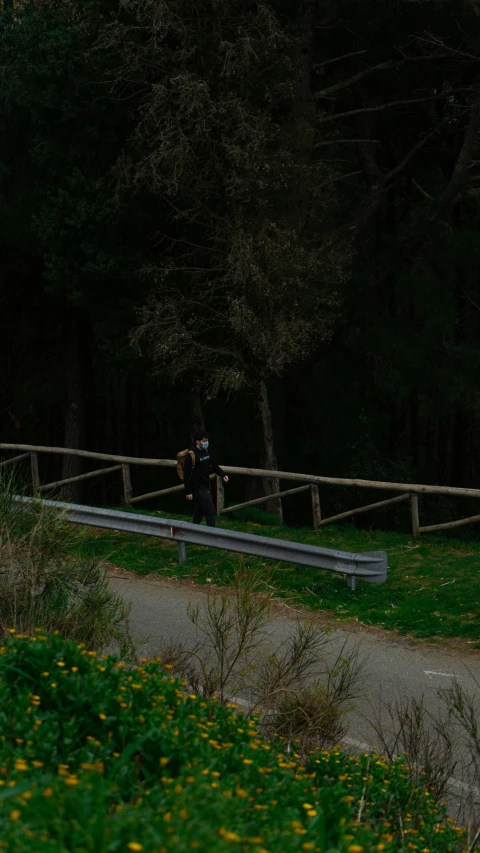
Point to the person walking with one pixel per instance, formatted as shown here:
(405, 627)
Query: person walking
(197, 478)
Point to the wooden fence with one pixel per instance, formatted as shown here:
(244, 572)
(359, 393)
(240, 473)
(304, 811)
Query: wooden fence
(408, 491)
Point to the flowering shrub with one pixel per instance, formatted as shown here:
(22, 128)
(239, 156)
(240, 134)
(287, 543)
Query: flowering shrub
(99, 758)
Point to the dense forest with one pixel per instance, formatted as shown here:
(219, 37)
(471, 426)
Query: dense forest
(259, 217)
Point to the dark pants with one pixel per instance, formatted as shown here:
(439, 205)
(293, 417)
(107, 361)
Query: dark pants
(204, 507)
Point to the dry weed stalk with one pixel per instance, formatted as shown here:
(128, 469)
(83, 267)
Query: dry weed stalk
(229, 661)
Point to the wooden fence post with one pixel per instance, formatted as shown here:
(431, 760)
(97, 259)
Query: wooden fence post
(220, 495)
(415, 515)
(317, 515)
(127, 484)
(35, 474)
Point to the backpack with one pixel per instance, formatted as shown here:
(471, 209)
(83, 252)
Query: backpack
(181, 462)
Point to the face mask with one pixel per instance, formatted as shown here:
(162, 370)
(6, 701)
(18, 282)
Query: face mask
(204, 445)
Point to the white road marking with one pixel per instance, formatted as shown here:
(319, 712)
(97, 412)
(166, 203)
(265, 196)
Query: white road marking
(445, 674)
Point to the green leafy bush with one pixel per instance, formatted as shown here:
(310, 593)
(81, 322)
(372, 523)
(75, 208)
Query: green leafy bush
(97, 758)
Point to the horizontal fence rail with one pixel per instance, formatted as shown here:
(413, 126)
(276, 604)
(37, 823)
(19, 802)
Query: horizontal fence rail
(407, 491)
(371, 567)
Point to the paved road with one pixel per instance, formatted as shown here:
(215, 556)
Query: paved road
(395, 668)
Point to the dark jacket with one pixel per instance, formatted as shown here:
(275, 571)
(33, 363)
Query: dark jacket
(198, 477)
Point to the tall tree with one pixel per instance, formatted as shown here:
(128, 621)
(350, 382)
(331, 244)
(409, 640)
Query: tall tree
(243, 275)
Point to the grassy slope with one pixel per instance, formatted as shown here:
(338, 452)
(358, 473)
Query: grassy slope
(97, 758)
(432, 591)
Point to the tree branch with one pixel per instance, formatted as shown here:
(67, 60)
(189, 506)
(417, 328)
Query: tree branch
(469, 299)
(451, 51)
(464, 158)
(339, 58)
(404, 162)
(390, 65)
(380, 108)
(345, 142)
(421, 190)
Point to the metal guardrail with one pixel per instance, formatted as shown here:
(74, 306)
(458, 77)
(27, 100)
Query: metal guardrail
(371, 567)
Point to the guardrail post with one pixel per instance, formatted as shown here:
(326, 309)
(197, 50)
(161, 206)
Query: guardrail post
(220, 495)
(127, 484)
(415, 515)
(182, 552)
(352, 582)
(35, 474)
(317, 515)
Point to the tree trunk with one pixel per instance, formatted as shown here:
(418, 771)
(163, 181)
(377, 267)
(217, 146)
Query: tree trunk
(197, 419)
(270, 487)
(74, 436)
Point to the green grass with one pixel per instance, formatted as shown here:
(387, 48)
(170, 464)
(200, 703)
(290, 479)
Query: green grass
(432, 590)
(99, 758)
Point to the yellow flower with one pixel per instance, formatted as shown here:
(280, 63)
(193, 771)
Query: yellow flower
(15, 814)
(60, 663)
(52, 684)
(312, 813)
(102, 716)
(349, 799)
(229, 836)
(167, 816)
(307, 806)
(134, 845)
(308, 846)
(47, 792)
(74, 668)
(183, 814)
(241, 793)
(71, 780)
(247, 761)
(164, 761)
(355, 848)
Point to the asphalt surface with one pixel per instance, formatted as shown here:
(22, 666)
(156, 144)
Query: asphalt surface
(395, 668)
